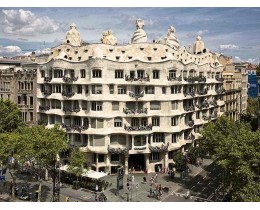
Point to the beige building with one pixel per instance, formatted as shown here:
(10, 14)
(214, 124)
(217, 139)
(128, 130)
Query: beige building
(130, 105)
(18, 83)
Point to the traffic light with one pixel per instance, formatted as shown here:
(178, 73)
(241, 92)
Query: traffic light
(67, 199)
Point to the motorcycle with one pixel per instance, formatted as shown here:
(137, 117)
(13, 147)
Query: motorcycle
(187, 194)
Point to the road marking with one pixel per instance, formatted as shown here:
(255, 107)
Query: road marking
(198, 182)
(204, 177)
(209, 184)
(203, 189)
(192, 187)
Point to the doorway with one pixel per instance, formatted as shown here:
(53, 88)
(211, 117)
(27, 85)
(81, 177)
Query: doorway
(137, 161)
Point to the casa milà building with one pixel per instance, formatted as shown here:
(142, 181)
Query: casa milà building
(130, 105)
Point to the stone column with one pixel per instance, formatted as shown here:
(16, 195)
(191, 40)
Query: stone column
(166, 160)
(126, 163)
(96, 162)
(146, 156)
(133, 139)
(108, 163)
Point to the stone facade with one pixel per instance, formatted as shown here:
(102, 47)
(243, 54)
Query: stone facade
(130, 105)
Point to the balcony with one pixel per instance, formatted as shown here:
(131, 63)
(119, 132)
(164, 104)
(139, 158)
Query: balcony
(214, 115)
(67, 94)
(189, 108)
(69, 79)
(162, 148)
(191, 137)
(25, 106)
(190, 123)
(189, 79)
(200, 79)
(22, 91)
(203, 105)
(42, 122)
(140, 79)
(205, 117)
(136, 96)
(178, 79)
(44, 108)
(68, 110)
(189, 93)
(202, 92)
(220, 91)
(77, 128)
(138, 128)
(139, 148)
(137, 111)
(213, 103)
(117, 150)
(47, 79)
(47, 93)
(219, 79)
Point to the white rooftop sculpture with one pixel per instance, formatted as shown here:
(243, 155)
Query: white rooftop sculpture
(198, 46)
(139, 35)
(73, 36)
(109, 38)
(171, 39)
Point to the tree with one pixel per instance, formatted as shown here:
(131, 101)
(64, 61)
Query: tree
(77, 161)
(180, 161)
(236, 150)
(258, 70)
(10, 116)
(40, 146)
(252, 106)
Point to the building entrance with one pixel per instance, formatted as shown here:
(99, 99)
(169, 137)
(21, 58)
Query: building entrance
(137, 161)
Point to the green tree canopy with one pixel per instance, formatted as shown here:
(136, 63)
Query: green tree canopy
(10, 116)
(237, 150)
(77, 161)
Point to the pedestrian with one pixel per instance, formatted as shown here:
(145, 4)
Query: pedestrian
(133, 170)
(96, 198)
(151, 192)
(96, 188)
(159, 169)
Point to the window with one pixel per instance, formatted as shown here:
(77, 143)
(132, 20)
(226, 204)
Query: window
(158, 137)
(115, 105)
(155, 105)
(156, 121)
(18, 99)
(156, 74)
(111, 89)
(31, 100)
(96, 106)
(96, 89)
(84, 105)
(197, 115)
(174, 137)
(82, 73)
(172, 74)
(174, 89)
(42, 74)
(149, 90)
(174, 121)
(79, 89)
(163, 90)
(86, 89)
(115, 157)
(31, 116)
(58, 73)
(97, 123)
(140, 74)
(119, 74)
(155, 156)
(97, 73)
(121, 89)
(118, 122)
(174, 105)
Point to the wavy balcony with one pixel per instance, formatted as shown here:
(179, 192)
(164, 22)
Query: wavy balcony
(136, 111)
(47, 79)
(189, 79)
(69, 79)
(162, 148)
(68, 110)
(214, 115)
(203, 105)
(213, 103)
(136, 96)
(44, 108)
(219, 79)
(176, 79)
(119, 150)
(77, 128)
(220, 91)
(129, 78)
(67, 94)
(189, 93)
(46, 93)
(205, 117)
(191, 137)
(189, 108)
(138, 128)
(200, 79)
(190, 123)
(202, 92)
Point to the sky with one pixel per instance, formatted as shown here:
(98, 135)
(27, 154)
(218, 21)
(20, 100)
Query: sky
(230, 31)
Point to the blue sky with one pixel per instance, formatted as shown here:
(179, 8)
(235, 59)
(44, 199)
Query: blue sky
(231, 31)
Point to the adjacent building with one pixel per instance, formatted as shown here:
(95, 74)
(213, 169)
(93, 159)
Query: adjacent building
(130, 105)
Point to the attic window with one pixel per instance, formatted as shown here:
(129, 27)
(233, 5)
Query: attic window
(154, 49)
(181, 54)
(110, 50)
(51, 52)
(59, 50)
(68, 50)
(65, 56)
(68, 41)
(166, 50)
(163, 57)
(173, 54)
(85, 51)
(141, 48)
(117, 58)
(76, 52)
(149, 58)
(123, 51)
(70, 58)
(183, 50)
(130, 57)
(79, 58)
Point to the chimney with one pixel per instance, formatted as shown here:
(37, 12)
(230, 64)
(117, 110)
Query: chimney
(33, 57)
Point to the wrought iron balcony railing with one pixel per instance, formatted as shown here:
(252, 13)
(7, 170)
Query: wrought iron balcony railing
(44, 108)
(219, 79)
(190, 137)
(202, 92)
(67, 94)
(69, 110)
(214, 115)
(190, 123)
(47, 79)
(220, 91)
(189, 79)
(200, 79)
(112, 150)
(47, 93)
(136, 96)
(137, 111)
(162, 148)
(138, 128)
(205, 117)
(189, 93)
(141, 79)
(213, 103)
(42, 122)
(189, 108)
(203, 105)
(179, 78)
(69, 79)
(78, 128)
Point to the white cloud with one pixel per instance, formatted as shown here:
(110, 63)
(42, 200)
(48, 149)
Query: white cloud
(39, 52)
(9, 50)
(228, 47)
(202, 32)
(197, 33)
(237, 59)
(24, 22)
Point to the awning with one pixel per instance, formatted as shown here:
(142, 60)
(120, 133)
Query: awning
(87, 173)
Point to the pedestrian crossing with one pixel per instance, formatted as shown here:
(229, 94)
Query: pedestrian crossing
(191, 197)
